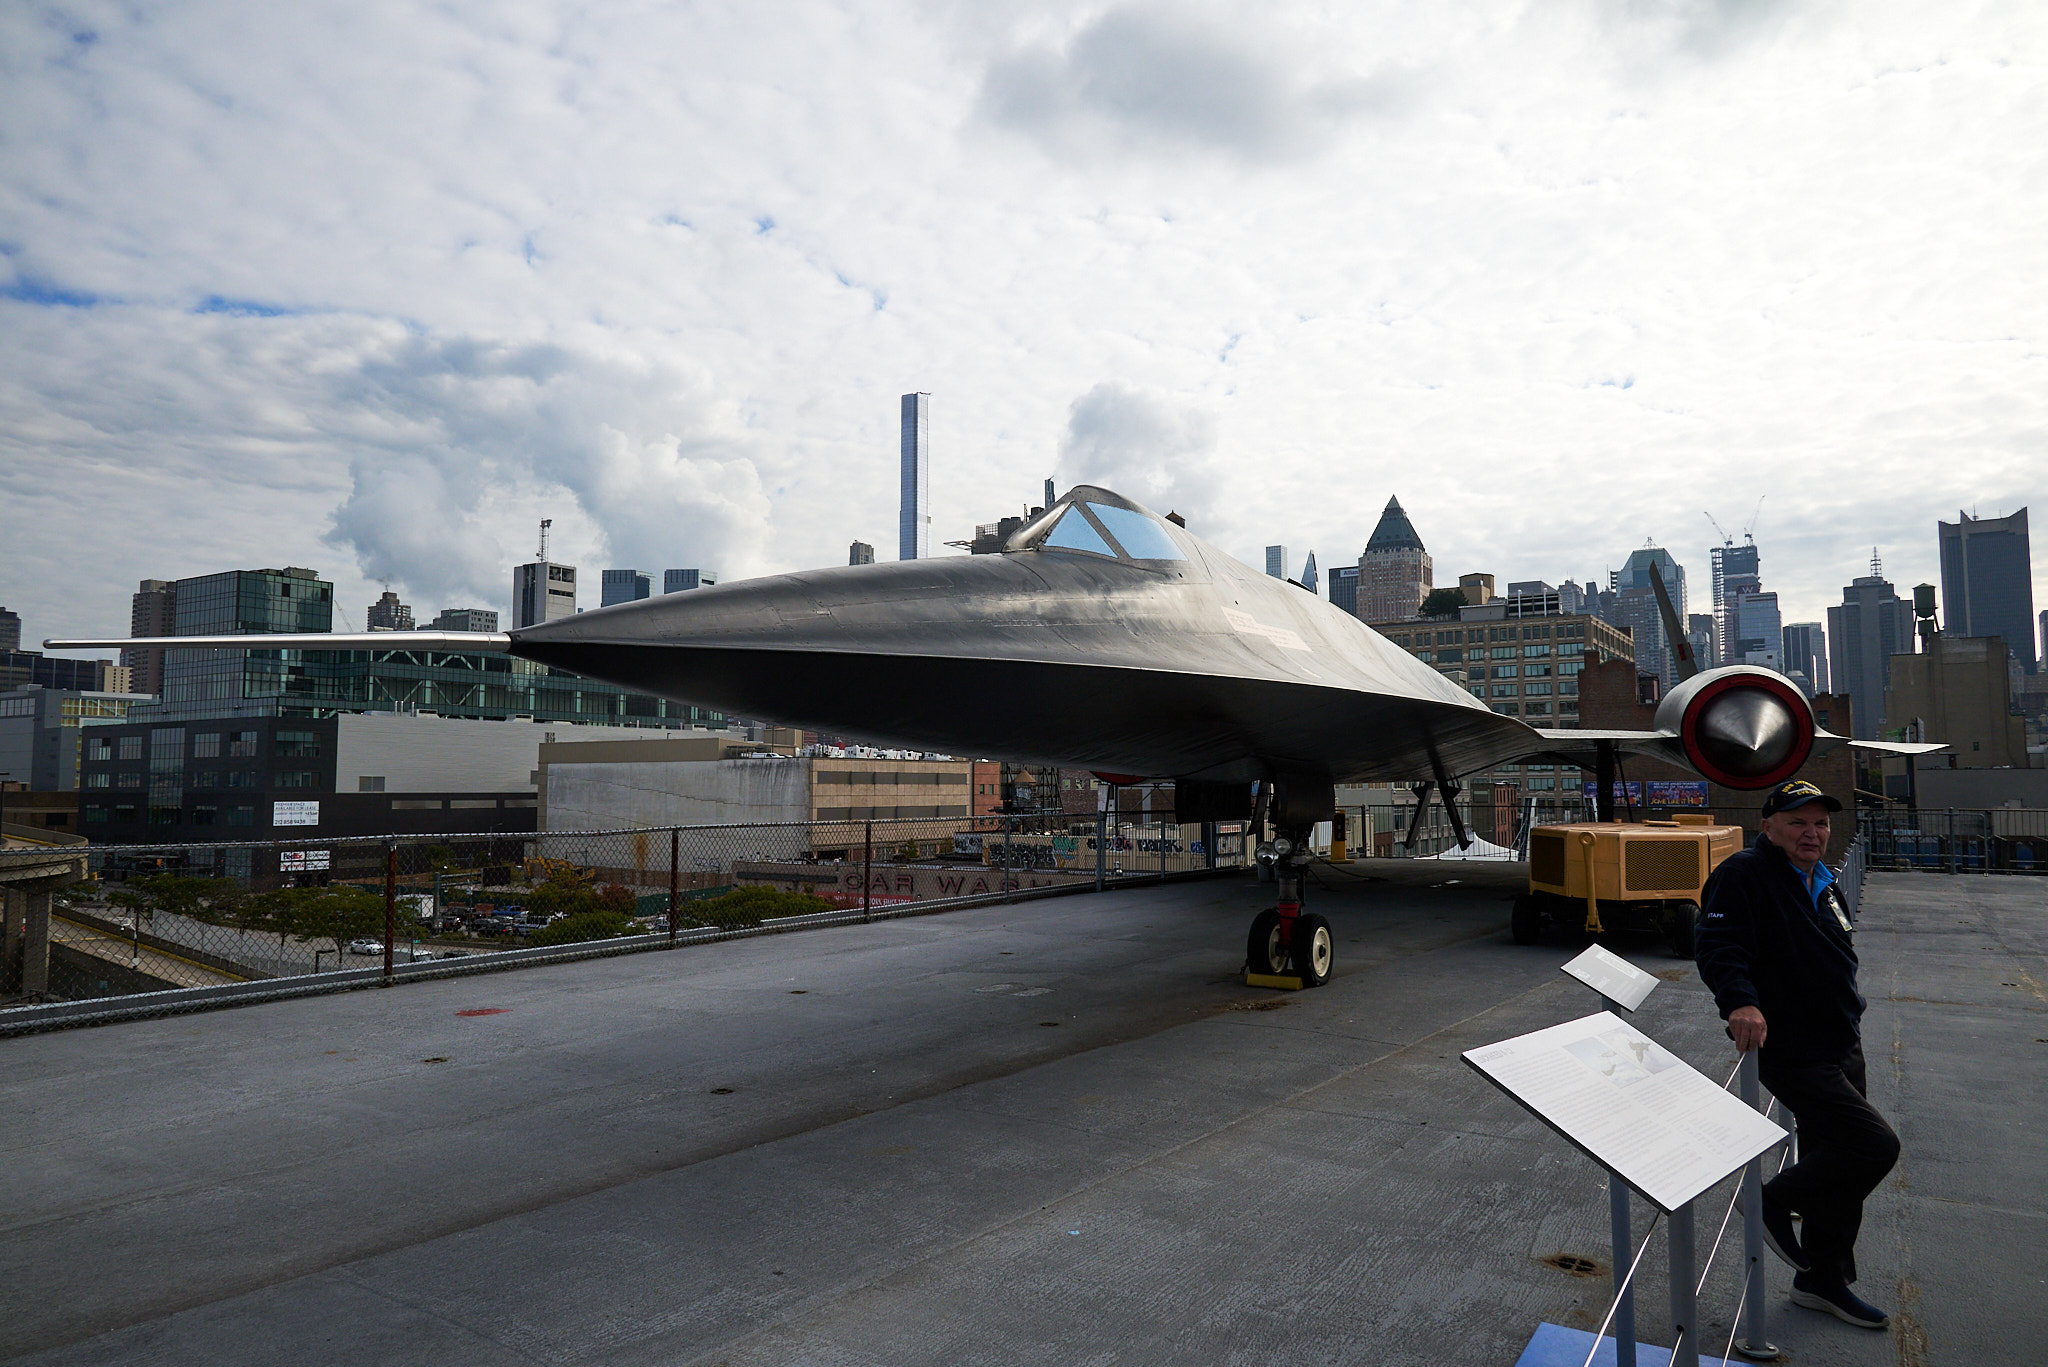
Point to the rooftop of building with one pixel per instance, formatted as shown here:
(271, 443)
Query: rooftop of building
(1394, 532)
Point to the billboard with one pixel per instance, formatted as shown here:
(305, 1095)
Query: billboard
(1665, 793)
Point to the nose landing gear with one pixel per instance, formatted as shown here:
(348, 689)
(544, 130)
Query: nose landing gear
(1285, 942)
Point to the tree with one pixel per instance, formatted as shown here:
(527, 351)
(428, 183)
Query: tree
(336, 914)
(1442, 602)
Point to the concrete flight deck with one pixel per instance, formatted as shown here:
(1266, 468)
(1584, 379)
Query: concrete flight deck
(1057, 1132)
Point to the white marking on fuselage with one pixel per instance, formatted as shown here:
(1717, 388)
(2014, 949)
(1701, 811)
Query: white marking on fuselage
(1246, 625)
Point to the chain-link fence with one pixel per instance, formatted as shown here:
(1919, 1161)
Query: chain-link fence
(1955, 839)
(154, 917)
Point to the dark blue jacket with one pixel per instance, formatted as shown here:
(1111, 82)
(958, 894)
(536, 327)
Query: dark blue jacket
(1764, 943)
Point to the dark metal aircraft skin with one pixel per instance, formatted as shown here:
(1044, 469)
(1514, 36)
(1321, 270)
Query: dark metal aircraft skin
(1104, 638)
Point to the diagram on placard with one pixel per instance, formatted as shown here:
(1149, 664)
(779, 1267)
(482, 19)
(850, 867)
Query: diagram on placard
(1622, 1057)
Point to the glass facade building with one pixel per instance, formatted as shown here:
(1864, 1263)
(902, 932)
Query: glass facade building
(624, 586)
(204, 684)
(1987, 581)
(914, 520)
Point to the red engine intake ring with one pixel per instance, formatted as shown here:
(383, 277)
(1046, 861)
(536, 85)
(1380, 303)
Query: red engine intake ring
(1778, 688)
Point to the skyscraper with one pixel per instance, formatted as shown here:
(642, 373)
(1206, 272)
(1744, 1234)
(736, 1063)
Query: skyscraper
(388, 614)
(1635, 607)
(1395, 571)
(1756, 631)
(1872, 625)
(1705, 638)
(10, 630)
(624, 586)
(676, 581)
(914, 521)
(1276, 561)
(1308, 572)
(1806, 653)
(1735, 572)
(1344, 588)
(542, 591)
(860, 553)
(242, 602)
(153, 611)
(1987, 581)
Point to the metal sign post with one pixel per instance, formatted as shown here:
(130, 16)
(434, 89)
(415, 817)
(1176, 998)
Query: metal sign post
(1656, 1125)
(1755, 1343)
(1607, 973)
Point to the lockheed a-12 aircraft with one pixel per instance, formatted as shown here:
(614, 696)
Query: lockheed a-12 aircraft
(1105, 637)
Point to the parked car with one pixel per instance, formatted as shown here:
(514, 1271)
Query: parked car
(366, 946)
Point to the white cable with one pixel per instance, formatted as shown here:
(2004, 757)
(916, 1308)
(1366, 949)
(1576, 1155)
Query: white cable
(1622, 1290)
(1726, 1216)
(1740, 1301)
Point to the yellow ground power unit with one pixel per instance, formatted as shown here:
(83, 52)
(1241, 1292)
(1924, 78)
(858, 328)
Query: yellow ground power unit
(1596, 877)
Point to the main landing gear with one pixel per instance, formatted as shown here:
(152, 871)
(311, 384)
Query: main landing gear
(1285, 941)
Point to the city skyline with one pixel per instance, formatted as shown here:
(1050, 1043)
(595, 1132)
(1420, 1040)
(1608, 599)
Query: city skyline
(1530, 255)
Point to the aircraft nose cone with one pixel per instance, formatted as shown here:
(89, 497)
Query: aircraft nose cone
(1747, 731)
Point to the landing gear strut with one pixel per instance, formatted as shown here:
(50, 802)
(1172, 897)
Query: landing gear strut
(1285, 941)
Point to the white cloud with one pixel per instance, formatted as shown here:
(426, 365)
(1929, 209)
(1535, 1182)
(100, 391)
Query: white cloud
(372, 290)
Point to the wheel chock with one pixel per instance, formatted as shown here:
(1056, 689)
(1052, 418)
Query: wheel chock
(1286, 983)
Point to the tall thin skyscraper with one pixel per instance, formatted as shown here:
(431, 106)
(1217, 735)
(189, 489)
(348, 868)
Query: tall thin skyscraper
(914, 522)
(1276, 561)
(1308, 573)
(1735, 573)
(1987, 581)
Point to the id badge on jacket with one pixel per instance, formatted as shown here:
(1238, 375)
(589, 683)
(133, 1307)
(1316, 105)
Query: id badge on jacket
(1833, 900)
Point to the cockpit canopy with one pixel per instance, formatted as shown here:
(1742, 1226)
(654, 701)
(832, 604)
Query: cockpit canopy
(1095, 526)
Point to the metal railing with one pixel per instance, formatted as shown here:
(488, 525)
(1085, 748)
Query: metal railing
(1956, 839)
(155, 918)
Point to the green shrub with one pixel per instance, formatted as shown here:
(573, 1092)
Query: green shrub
(751, 906)
(587, 925)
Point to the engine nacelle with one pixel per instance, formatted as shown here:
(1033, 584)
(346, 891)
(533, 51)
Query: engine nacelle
(1741, 726)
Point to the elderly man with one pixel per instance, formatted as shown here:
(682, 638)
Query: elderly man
(1778, 949)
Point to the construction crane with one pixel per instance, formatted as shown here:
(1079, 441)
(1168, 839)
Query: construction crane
(1748, 533)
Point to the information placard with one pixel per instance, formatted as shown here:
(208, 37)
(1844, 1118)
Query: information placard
(1612, 976)
(303, 861)
(295, 813)
(1629, 1104)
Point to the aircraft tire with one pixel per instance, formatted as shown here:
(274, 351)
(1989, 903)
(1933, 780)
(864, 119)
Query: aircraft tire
(1315, 950)
(1684, 926)
(1527, 919)
(1263, 952)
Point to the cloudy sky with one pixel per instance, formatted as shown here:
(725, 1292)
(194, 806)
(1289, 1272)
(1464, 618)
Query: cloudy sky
(372, 287)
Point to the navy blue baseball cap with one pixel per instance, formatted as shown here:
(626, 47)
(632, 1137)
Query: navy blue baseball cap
(1797, 793)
